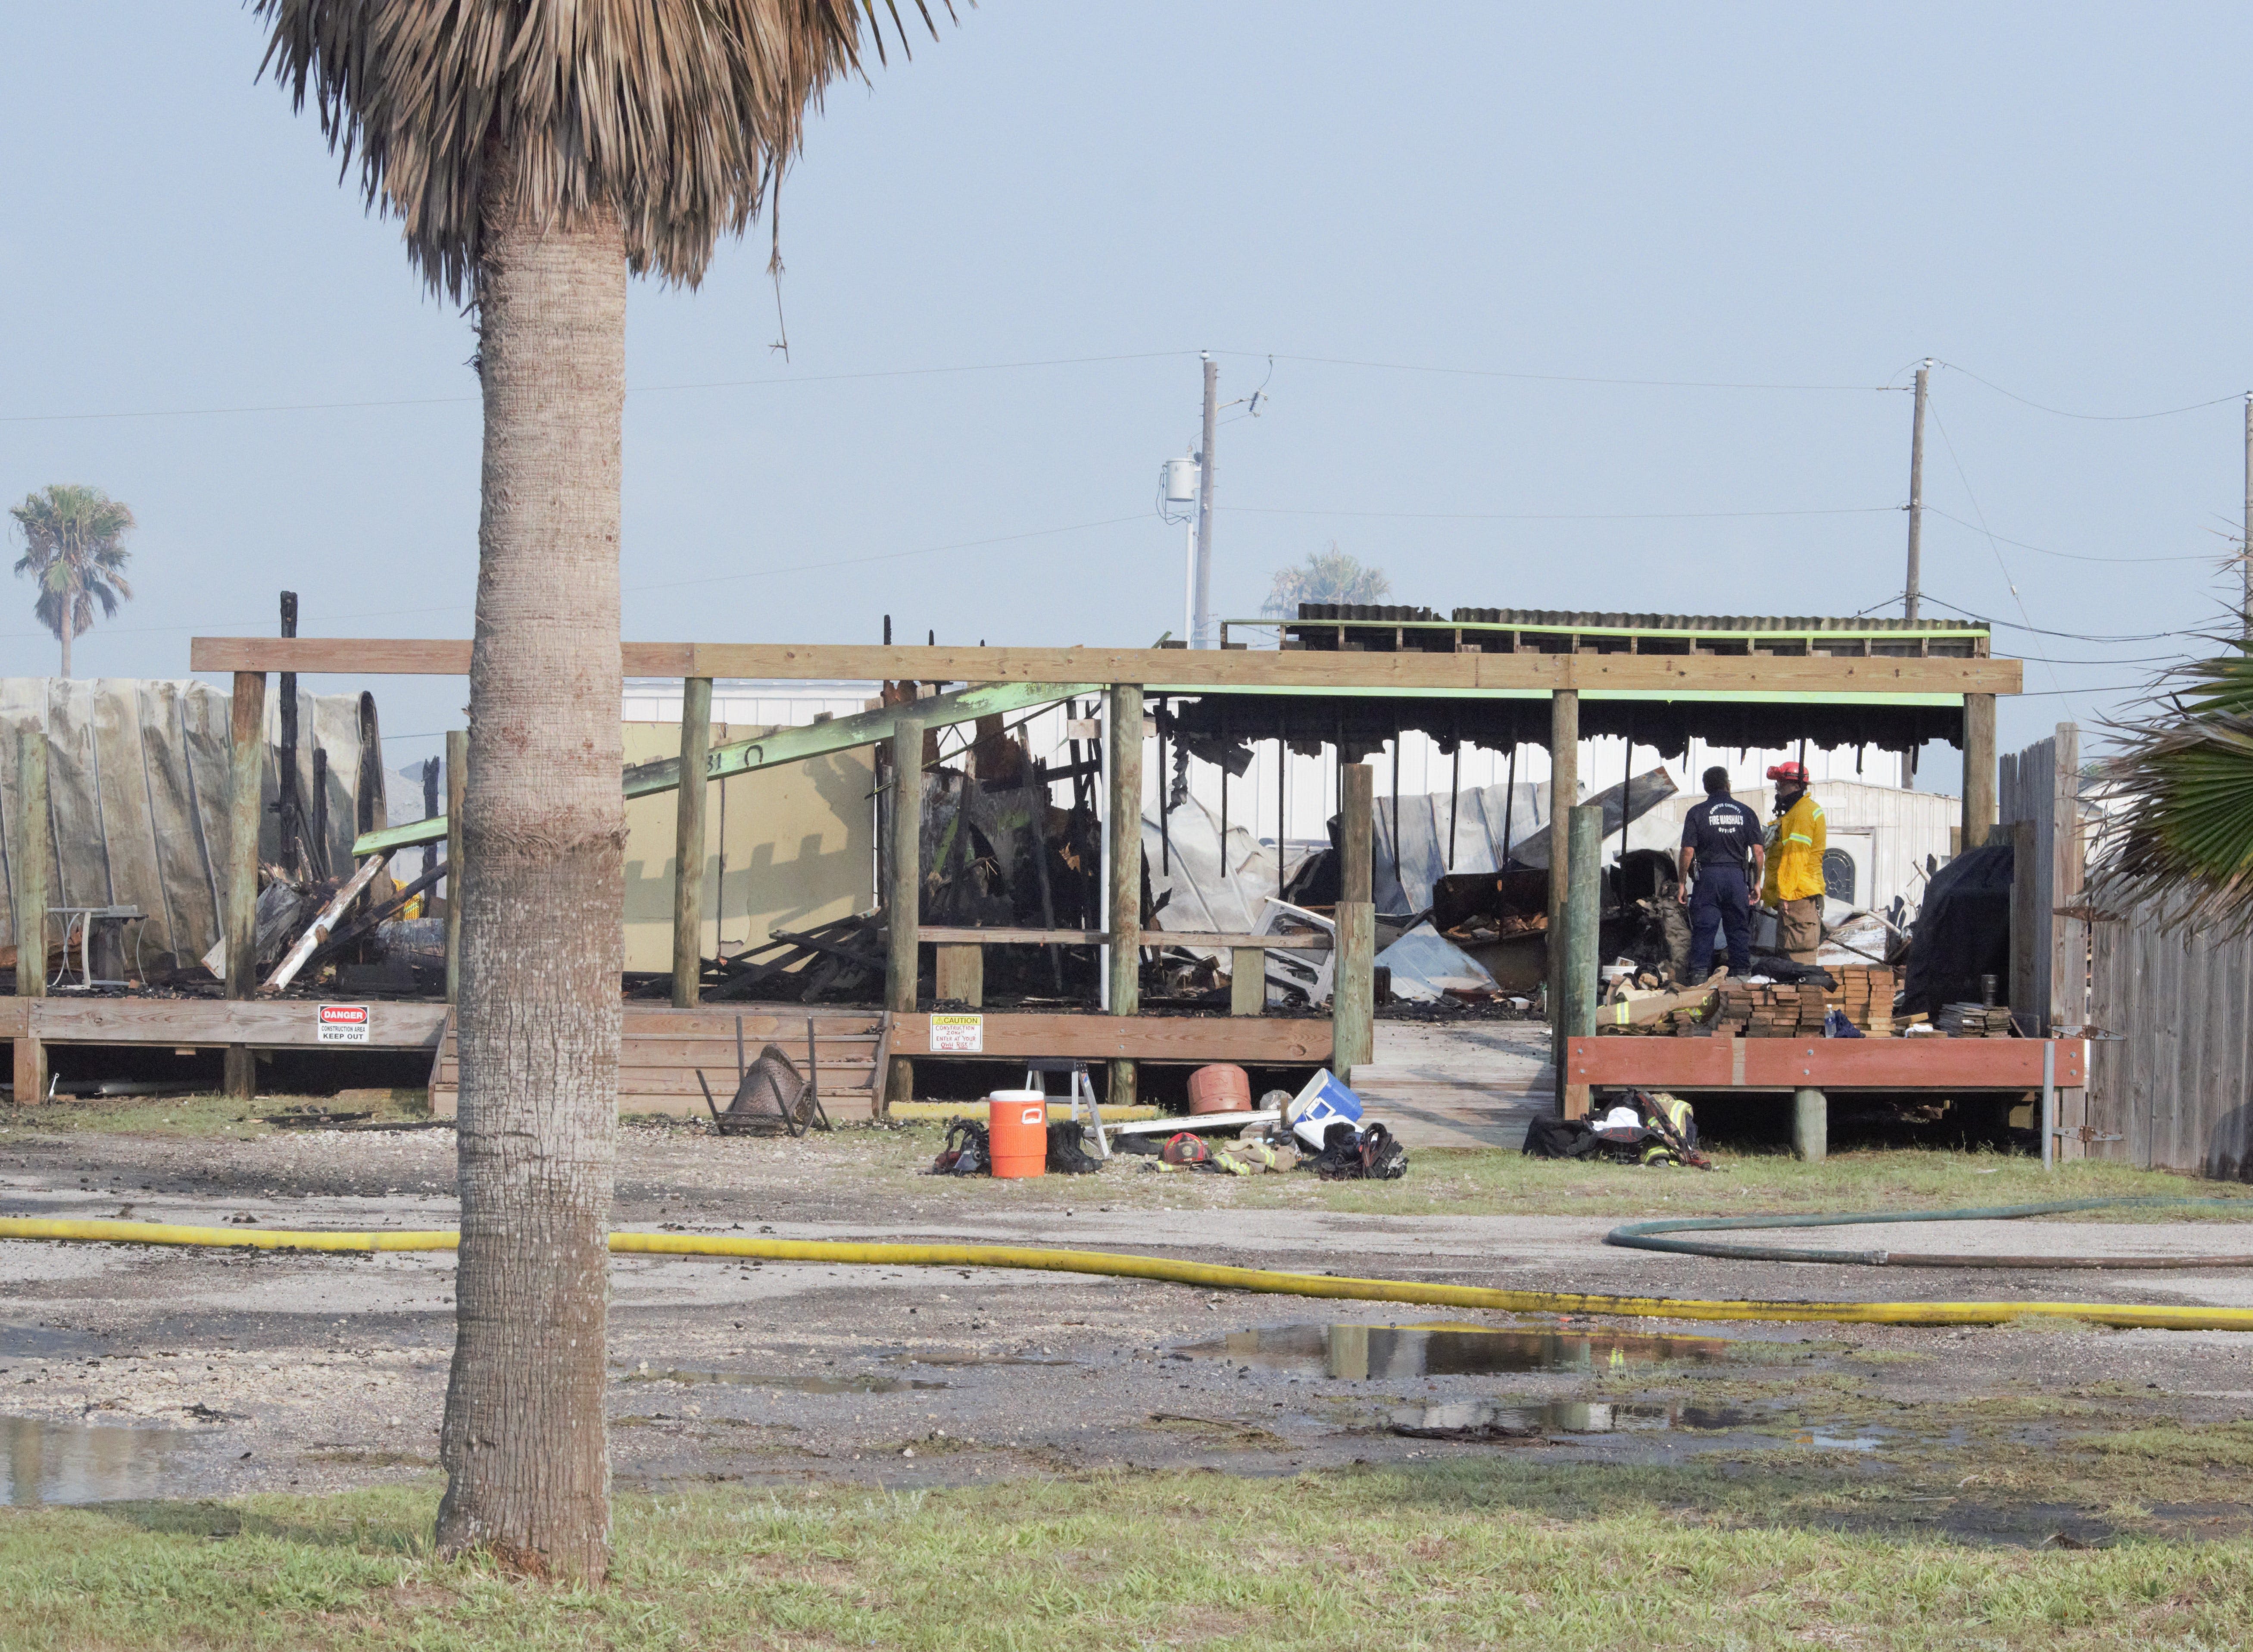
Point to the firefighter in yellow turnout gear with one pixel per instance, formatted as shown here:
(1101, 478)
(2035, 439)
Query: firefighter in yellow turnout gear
(1794, 883)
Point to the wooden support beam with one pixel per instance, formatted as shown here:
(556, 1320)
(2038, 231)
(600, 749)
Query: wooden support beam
(1978, 767)
(1563, 792)
(688, 844)
(1583, 911)
(958, 974)
(1213, 940)
(1826, 1064)
(245, 809)
(457, 783)
(202, 1023)
(903, 894)
(1122, 838)
(1353, 981)
(1263, 1040)
(32, 852)
(1177, 670)
(1247, 981)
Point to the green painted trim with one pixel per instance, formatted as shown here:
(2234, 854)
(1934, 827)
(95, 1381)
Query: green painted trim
(1965, 630)
(430, 830)
(794, 744)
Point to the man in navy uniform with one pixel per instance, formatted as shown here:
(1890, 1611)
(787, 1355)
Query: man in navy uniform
(1723, 846)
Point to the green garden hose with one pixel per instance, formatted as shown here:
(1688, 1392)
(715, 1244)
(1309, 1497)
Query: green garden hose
(1646, 1236)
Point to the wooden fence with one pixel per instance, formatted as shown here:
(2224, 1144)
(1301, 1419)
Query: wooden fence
(2170, 1084)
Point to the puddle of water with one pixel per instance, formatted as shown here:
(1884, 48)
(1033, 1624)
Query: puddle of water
(1838, 1442)
(855, 1383)
(69, 1463)
(43, 1342)
(945, 1357)
(1492, 1419)
(1363, 1353)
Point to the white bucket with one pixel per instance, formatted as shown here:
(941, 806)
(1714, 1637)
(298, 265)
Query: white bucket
(1322, 1103)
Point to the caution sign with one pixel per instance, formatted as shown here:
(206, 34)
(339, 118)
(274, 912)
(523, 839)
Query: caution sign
(343, 1024)
(958, 1034)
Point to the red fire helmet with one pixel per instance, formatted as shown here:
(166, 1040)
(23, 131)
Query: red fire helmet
(1788, 771)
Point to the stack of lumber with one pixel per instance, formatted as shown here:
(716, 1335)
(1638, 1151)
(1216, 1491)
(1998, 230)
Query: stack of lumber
(1866, 993)
(1746, 1011)
(1975, 1020)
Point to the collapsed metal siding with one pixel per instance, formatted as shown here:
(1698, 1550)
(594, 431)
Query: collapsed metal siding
(138, 794)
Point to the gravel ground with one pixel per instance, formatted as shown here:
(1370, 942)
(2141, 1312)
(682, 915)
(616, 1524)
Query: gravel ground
(242, 1371)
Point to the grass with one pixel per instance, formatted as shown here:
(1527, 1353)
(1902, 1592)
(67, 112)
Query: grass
(1481, 1550)
(201, 1118)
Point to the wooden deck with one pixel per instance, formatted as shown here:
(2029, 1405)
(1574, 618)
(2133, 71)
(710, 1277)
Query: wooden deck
(1942, 1064)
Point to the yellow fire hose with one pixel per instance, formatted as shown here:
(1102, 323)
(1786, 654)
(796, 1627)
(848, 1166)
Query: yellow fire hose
(2148, 1317)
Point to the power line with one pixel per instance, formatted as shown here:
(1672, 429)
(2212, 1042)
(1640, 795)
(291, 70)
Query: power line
(2070, 636)
(632, 390)
(2070, 556)
(1550, 378)
(663, 585)
(1948, 442)
(2098, 418)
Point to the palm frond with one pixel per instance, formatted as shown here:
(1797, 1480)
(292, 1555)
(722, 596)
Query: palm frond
(2181, 835)
(672, 114)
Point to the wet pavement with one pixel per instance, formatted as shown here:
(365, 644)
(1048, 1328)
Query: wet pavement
(189, 1373)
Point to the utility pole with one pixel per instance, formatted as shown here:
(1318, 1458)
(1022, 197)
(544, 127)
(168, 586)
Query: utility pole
(2246, 544)
(1201, 631)
(1916, 494)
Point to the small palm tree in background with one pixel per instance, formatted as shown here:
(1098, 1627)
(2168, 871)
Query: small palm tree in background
(1325, 576)
(74, 547)
(535, 152)
(2181, 786)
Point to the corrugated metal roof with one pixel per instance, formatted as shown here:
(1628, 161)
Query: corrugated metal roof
(1690, 621)
(1397, 615)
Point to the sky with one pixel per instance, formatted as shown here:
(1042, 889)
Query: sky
(1592, 307)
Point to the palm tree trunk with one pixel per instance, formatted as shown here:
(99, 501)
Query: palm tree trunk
(67, 643)
(524, 1444)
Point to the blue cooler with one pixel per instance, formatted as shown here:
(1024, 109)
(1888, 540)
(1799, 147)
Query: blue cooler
(1322, 1103)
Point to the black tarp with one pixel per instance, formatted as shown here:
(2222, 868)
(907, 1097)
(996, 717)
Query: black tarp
(1963, 930)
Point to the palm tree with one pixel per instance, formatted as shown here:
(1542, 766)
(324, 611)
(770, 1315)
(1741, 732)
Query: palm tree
(1325, 576)
(74, 546)
(2181, 786)
(535, 152)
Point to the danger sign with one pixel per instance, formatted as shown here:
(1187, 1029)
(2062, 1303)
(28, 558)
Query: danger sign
(343, 1024)
(958, 1034)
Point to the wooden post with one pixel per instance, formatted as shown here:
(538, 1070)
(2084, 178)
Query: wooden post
(903, 893)
(1810, 1126)
(2030, 924)
(1564, 793)
(457, 783)
(1353, 978)
(958, 972)
(688, 843)
(1247, 980)
(246, 809)
(1978, 768)
(33, 853)
(1583, 912)
(1123, 845)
